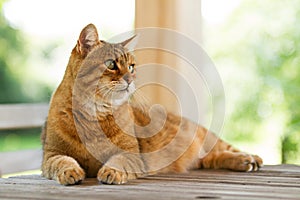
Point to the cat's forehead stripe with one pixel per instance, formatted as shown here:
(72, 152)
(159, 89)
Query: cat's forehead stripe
(118, 52)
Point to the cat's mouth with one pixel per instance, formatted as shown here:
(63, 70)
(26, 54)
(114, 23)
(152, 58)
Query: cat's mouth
(122, 94)
(126, 88)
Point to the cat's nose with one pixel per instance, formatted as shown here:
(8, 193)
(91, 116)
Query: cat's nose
(128, 78)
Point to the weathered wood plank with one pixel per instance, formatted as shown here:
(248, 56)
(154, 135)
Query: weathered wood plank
(13, 116)
(272, 182)
(18, 161)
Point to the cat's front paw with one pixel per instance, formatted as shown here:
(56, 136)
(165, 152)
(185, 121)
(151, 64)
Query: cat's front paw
(70, 175)
(108, 175)
(246, 162)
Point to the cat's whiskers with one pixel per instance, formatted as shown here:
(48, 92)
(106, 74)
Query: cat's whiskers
(107, 93)
(140, 100)
(103, 91)
(104, 88)
(141, 95)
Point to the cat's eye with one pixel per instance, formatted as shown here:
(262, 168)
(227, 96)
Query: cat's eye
(131, 68)
(110, 64)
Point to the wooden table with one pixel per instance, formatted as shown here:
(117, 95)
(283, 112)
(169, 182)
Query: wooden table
(272, 182)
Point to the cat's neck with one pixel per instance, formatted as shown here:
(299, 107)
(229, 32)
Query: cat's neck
(103, 109)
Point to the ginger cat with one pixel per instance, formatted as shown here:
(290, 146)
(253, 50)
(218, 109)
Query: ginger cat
(97, 127)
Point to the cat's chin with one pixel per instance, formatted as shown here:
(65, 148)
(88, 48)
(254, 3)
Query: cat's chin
(122, 96)
(119, 102)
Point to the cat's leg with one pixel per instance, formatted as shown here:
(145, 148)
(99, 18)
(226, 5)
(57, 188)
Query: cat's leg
(224, 156)
(237, 161)
(120, 168)
(64, 169)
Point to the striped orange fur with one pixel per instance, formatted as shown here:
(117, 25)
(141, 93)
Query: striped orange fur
(97, 127)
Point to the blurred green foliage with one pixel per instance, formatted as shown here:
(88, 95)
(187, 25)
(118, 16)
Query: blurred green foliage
(11, 140)
(15, 85)
(14, 53)
(259, 50)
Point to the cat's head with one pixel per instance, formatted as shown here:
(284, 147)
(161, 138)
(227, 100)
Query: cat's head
(111, 67)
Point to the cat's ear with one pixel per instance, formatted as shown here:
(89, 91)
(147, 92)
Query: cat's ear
(87, 39)
(130, 43)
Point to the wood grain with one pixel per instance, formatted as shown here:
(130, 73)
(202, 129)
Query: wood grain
(272, 182)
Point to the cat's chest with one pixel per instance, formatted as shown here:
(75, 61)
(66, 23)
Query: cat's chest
(119, 122)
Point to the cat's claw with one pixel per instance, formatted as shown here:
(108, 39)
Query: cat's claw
(71, 176)
(248, 163)
(108, 175)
